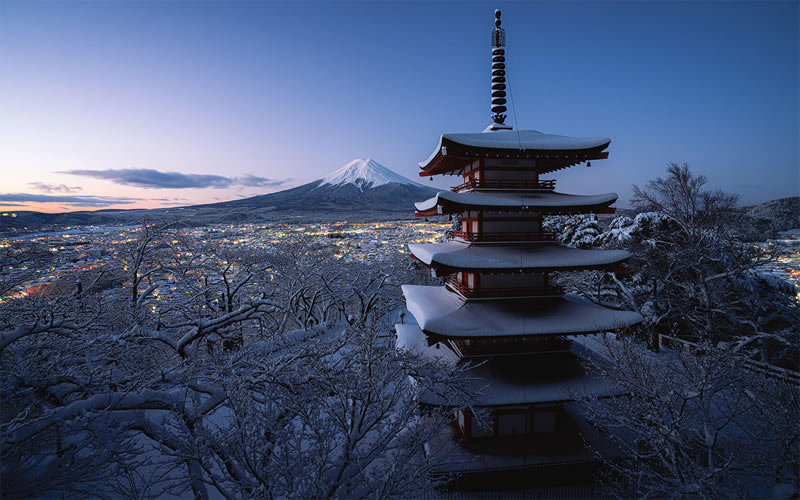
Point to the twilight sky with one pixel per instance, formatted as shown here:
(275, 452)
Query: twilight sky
(125, 105)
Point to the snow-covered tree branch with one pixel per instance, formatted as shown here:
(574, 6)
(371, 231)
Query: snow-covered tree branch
(240, 373)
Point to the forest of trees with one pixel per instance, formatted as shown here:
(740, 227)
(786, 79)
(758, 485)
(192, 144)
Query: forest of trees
(717, 415)
(273, 374)
(263, 375)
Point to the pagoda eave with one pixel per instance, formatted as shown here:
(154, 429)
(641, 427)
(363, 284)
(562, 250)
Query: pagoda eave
(454, 256)
(544, 203)
(442, 270)
(442, 312)
(434, 338)
(535, 382)
(451, 157)
(547, 162)
(446, 210)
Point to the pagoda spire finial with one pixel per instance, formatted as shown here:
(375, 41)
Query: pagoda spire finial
(498, 76)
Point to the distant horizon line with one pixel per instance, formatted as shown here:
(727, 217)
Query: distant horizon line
(16, 213)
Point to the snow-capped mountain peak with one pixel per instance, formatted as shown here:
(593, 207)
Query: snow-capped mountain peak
(365, 173)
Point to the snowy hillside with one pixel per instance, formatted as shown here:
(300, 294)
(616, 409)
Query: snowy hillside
(365, 172)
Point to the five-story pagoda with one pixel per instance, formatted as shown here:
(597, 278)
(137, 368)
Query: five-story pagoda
(498, 309)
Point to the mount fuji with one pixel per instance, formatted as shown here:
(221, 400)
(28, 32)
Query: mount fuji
(363, 187)
(365, 173)
(362, 184)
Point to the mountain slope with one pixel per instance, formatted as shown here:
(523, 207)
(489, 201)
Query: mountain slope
(362, 184)
(783, 213)
(765, 220)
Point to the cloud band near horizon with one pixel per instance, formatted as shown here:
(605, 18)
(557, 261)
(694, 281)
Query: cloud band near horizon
(153, 179)
(53, 188)
(16, 199)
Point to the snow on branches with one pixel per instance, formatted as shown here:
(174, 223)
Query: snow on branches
(695, 421)
(215, 370)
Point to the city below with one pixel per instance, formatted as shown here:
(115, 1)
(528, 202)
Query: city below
(85, 248)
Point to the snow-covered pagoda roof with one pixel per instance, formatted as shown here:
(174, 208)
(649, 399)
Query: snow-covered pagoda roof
(411, 338)
(540, 256)
(552, 152)
(511, 380)
(446, 202)
(442, 312)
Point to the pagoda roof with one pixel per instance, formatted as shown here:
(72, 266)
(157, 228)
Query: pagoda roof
(553, 152)
(442, 312)
(513, 380)
(537, 256)
(411, 338)
(536, 201)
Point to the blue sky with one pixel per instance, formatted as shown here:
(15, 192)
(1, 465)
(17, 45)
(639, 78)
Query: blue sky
(254, 97)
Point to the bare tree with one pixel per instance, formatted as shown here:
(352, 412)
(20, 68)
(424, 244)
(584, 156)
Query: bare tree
(697, 423)
(101, 401)
(19, 262)
(680, 196)
(690, 275)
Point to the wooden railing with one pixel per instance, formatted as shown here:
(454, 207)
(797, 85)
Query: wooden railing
(506, 236)
(467, 292)
(546, 185)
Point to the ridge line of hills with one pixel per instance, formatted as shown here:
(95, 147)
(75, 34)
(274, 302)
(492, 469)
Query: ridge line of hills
(361, 190)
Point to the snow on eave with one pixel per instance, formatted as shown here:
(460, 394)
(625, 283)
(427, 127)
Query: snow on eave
(501, 390)
(550, 199)
(410, 338)
(436, 151)
(539, 256)
(497, 386)
(527, 140)
(522, 140)
(440, 311)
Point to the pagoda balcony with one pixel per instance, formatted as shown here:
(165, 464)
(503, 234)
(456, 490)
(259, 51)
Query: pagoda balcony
(483, 348)
(544, 185)
(482, 236)
(468, 292)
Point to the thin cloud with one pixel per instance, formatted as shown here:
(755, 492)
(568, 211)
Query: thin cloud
(53, 188)
(253, 181)
(150, 178)
(8, 199)
(154, 179)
